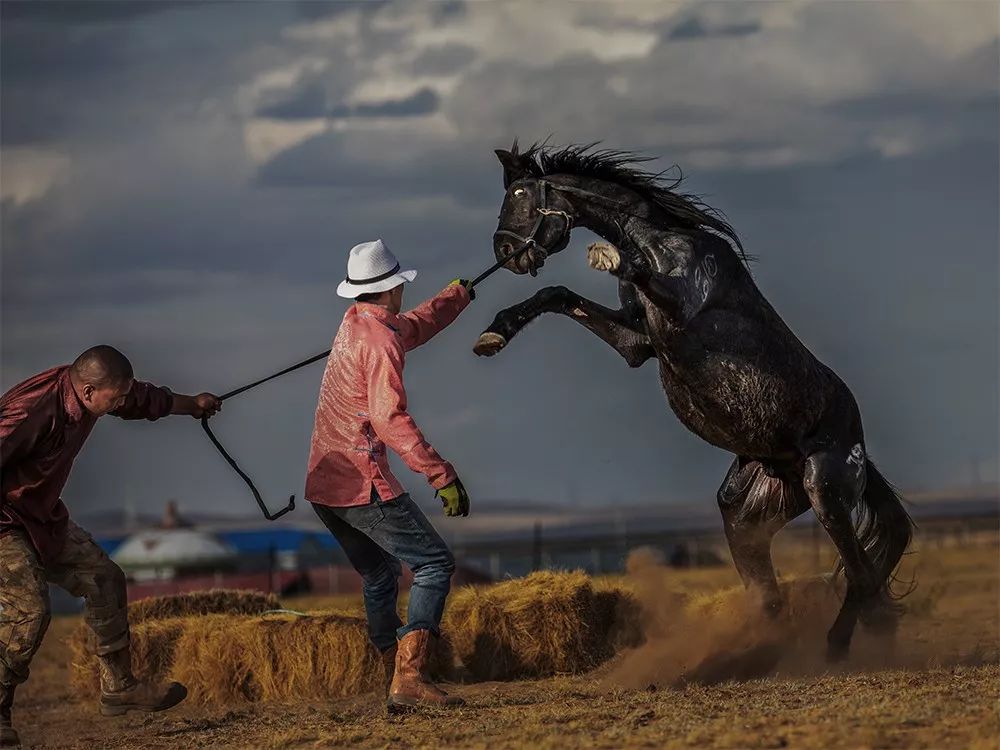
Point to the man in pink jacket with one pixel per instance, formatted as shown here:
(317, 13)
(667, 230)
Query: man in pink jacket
(361, 411)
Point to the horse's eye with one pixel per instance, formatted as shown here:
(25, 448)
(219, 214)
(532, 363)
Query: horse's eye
(519, 192)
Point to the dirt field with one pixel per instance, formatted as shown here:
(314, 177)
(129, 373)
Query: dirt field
(938, 688)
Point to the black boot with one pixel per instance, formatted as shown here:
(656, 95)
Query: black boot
(8, 737)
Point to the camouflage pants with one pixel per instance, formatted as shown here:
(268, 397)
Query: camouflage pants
(83, 569)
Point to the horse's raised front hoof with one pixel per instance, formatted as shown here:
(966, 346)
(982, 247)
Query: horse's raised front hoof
(603, 257)
(489, 344)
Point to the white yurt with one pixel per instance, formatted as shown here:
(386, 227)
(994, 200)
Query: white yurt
(166, 553)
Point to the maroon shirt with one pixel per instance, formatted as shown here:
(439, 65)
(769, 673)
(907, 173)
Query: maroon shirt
(43, 425)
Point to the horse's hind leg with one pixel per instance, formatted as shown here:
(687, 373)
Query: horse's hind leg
(834, 486)
(755, 506)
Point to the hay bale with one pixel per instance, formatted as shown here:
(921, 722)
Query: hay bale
(544, 624)
(215, 601)
(225, 659)
(621, 608)
(540, 625)
(84, 674)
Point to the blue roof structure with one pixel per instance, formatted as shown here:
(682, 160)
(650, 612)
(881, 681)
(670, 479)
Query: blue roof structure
(281, 540)
(255, 541)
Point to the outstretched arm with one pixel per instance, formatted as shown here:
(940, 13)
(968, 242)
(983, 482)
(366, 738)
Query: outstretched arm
(147, 401)
(202, 405)
(423, 322)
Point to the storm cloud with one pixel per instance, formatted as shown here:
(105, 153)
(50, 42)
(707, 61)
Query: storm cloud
(183, 181)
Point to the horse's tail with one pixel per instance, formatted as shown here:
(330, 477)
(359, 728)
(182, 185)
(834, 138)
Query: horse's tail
(884, 527)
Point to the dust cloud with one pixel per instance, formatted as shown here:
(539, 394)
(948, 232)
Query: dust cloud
(725, 635)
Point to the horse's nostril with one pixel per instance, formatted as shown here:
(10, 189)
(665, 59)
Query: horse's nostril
(506, 248)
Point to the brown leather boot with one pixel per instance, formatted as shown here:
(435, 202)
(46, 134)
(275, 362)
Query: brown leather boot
(121, 692)
(8, 737)
(389, 664)
(410, 684)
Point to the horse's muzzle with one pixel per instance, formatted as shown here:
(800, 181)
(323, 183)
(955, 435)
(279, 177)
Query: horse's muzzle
(527, 261)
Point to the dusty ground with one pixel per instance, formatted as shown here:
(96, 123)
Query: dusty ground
(939, 689)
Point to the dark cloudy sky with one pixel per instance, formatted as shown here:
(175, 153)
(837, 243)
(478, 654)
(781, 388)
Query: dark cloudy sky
(183, 181)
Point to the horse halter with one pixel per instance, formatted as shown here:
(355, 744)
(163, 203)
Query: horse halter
(530, 241)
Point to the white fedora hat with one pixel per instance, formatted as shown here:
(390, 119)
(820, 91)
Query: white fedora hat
(372, 268)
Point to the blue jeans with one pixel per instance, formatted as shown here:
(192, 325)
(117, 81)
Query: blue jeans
(375, 538)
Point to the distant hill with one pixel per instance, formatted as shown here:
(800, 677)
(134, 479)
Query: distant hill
(511, 517)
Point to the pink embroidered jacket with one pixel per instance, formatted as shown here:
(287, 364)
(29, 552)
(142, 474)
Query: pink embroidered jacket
(362, 404)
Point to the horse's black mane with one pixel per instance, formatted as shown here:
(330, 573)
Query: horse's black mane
(586, 160)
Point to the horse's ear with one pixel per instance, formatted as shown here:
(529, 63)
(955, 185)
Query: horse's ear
(513, 168)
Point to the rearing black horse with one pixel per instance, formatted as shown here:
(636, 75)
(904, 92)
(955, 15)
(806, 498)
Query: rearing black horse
(733, 372)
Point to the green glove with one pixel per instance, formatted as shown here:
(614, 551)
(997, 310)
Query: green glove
(468, 286)
(454, 498)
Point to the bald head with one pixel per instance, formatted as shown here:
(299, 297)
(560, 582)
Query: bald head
(102, 378)
(102, 367)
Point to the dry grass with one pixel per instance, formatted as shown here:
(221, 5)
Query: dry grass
(939, 690)
(936, 710)
(547, 623)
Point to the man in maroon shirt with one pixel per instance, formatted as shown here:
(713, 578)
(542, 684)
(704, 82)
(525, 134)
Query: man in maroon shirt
(44, 423)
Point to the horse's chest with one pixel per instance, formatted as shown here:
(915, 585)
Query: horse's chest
(693, 414)
(728, 399)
